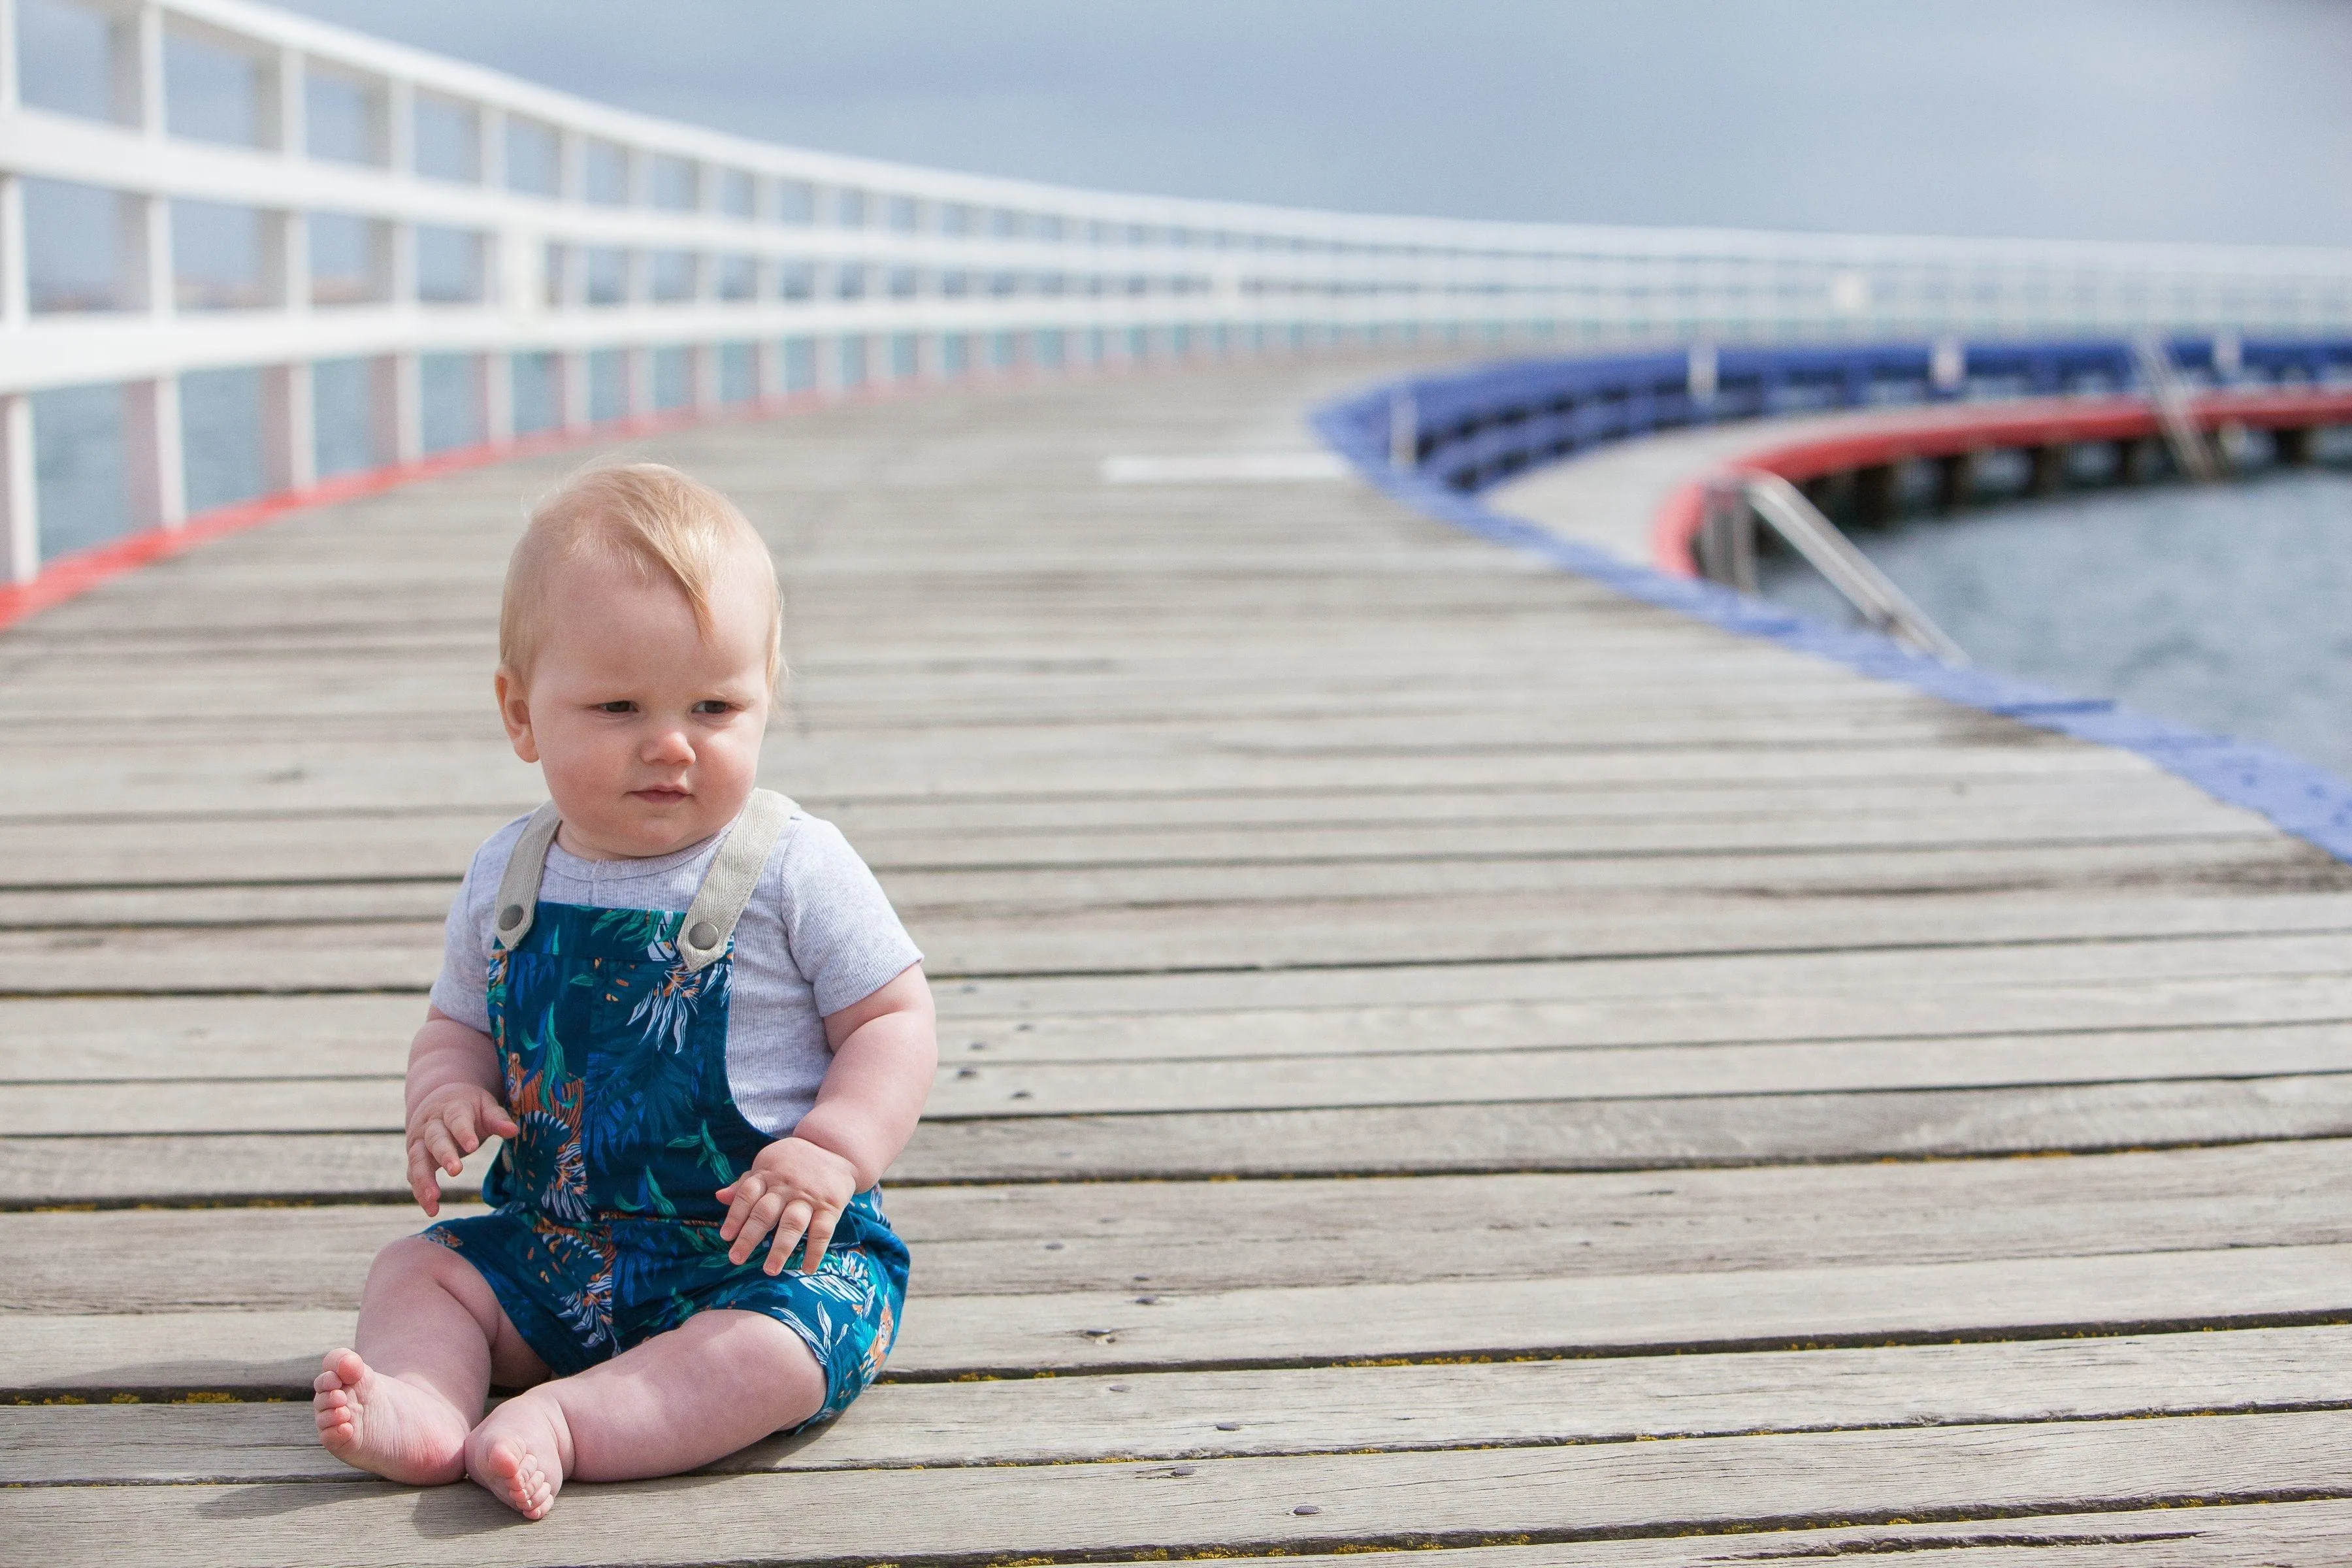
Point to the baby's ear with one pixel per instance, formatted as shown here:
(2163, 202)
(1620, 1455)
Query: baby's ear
(514, 712)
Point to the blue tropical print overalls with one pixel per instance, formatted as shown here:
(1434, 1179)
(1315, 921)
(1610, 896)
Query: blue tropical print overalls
(604, 1229)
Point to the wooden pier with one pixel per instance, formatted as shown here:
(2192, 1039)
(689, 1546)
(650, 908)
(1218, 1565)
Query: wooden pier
(1435, 1055)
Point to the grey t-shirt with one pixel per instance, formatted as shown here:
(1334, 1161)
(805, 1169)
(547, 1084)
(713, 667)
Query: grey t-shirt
(817, 936)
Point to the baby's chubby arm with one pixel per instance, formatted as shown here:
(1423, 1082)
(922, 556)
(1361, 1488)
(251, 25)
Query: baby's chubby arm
(885, 1052)
(457, 1097)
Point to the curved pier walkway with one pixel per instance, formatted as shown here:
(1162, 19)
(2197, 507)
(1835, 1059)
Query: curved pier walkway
(1434, 1054)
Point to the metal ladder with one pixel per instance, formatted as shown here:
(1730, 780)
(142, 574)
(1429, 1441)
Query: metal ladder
(1726, 555)
(2169, 395)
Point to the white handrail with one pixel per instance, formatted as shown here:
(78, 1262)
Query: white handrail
(890, 266)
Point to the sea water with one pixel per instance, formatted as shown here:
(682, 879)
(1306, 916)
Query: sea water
(2227, 607)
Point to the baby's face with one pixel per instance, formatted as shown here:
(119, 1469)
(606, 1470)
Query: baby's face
(648, 732)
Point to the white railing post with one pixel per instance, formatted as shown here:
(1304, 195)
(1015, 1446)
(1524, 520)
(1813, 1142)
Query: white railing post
(702, 359)
(154, 470)
(155, 466)
(282, 106)
(574, 377)
(20, 514)
(575, 391)
(289, 440)
(489, 147)
(494, 385)
(637, 289)
(706, 370)
(396, 128)
(286, 261)
(395, 390)
(824, 365)
(393, 262)
(144, 255)
(571, 164)
(396, 408)
(768, 370)
(824, 212)
(636, 381)
(134, 60)
(516, 252)
(703, 286)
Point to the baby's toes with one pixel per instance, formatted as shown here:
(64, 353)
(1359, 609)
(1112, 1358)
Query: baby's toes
(527, 1492)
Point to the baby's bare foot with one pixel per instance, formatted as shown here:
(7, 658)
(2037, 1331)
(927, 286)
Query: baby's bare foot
(396, 1429)
(517, 1455)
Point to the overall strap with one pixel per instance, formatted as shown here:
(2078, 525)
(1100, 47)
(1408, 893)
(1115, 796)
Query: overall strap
(518, 888)
(734, 873)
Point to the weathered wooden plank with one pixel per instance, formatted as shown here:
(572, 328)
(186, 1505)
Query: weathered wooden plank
(1755, 1308)
(1631, 1134)
(1220, 1414)
(1207, 1236)
(290, 1167)
(317, 688)
(74, 1038)
(1889, 719)
(1934, 783)
(1267, 936)
(1926, 1010)
(392, 955)
(922, 895)
(1067, 1332)
(1564, 1493)
(86, 1039)
(300, 860)
(345, 1104)
(1462, 1076)
(325, 773)
(971, 1087)
(2154, 865)
(2154, 960)
(1576, 1135)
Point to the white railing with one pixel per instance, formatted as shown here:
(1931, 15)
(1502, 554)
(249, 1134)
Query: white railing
(580, 228)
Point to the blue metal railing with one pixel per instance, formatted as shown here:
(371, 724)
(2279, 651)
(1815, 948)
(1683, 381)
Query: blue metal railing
(1472, 429)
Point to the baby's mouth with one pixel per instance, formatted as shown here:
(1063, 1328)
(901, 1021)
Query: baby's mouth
(662, 795)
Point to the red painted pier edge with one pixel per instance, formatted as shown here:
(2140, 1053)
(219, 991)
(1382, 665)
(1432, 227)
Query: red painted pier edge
(71, 575)
(1870, 441)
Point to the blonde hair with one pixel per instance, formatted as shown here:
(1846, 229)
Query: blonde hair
(664, 525)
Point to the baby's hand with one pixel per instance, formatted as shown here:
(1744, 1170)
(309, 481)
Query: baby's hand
(793, 1187)
(448, 1125)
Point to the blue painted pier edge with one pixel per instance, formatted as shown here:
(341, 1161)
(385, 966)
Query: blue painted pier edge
(2307, 801)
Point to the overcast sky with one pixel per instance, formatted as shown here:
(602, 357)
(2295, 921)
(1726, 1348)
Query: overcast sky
(2194, 120)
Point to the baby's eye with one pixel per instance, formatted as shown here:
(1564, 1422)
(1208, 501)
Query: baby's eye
(623, 706)
(714, 705)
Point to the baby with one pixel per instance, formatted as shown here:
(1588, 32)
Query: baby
(687, 1007)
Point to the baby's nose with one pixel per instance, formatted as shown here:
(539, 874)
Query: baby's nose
(669, 745)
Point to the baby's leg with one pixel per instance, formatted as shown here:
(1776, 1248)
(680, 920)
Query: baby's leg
(718, 1381)
(431, 1334)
